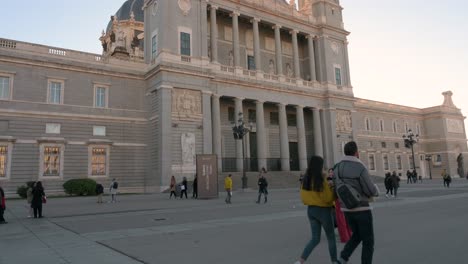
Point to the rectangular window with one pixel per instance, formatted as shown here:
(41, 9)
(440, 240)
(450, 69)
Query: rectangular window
(252, 116)
(292, 121)
(384, 145)
(99, 131)
(53, 128)
(385, 162)
(398, 159)
(3, 161)
(371, 162)
(231, 114)
(338, 76)
(51, 162)
(100, 97)
(98, 161)
(55, 92)
(274, 118)
(185, 44)
(251, 63)
(154, 46)
(5, 88)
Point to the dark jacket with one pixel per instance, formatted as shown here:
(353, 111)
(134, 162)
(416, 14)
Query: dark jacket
(388, 181)
(99, 189)
(38, 193)
(395, 181)
(195, 184)
(262, 183)
(184, 182)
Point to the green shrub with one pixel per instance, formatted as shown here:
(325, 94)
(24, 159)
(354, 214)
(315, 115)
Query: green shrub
(22, 190)
(81, 187)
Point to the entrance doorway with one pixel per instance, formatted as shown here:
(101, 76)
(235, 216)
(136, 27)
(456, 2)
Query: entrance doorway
(293, 156)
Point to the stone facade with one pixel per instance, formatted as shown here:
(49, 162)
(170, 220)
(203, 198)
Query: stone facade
(140, 119)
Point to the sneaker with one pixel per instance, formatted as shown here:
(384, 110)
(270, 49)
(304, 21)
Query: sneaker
(342, 261)
(297, 262)
(386, 195)
(393, 196)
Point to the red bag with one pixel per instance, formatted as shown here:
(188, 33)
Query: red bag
(3, 202)
(343, 228)
(44, 199)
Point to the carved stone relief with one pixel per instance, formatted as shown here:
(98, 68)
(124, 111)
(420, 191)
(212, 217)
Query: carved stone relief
(269, 44)
(185, 6)
(454, 126)
(343, 121)
(228, 33)
(186, 104)
(188, 148)
(287, 48)
(335, 48)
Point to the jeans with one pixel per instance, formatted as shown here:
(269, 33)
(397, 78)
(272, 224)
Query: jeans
(320, 217)
(228, 197)
(2, 211)
(361, 224)
(37, 210)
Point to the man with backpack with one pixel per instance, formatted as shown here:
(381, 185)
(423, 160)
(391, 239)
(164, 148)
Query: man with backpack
(113, 190)
(355, 190)
(99, 192)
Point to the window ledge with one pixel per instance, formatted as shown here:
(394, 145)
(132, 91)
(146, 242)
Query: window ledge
(95, 141)
(7, 139)
(51, 140)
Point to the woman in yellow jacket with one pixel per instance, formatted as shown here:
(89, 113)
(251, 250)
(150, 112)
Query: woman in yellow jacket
(228, 188)
(318, 196)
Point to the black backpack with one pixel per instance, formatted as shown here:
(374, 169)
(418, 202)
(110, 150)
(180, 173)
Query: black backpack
(115, 185)
(349, 196)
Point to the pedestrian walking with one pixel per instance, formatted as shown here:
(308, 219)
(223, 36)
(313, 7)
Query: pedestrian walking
(415, 176)
(388, 184)
(99, 192)
(448, 180)
(444, 177)
(183, 188)
(173, 187)
(352, 174)
(195, 187)
(395, 182)
(38, 199)
(29, 197)
(408, 176)
(2, 206)
(262, 186)
(114, 186)
(318, 195)
(228, 188)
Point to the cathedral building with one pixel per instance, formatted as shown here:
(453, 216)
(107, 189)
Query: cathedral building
(173, 79)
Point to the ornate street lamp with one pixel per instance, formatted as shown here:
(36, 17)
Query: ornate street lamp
(240, 131)
(429, 159)
(410, 139)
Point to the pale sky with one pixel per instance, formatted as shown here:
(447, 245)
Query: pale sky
(402, 52)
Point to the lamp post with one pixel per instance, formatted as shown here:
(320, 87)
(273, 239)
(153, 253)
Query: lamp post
(410, 139)
(429, 159)
(239, 131)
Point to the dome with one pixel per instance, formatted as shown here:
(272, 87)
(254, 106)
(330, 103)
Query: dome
(124, 12)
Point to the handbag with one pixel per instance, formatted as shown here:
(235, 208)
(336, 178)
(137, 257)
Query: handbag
(44, 199)
(343, 228)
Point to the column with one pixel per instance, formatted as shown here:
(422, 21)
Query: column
(310, 44)
(346, 58)
(207, 124)
(284, 141)
(165, 139)
(279, 58)
(214, 34)
(257, 53)
(317, 132)
(204, 29)
(239, 149)
(297, 69)
(235, 38)
(217, 129)
(329, 123)
(301, 138)
(261, 140)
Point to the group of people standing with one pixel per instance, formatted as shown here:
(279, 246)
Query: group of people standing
(262, 184)
(392, 183)
(412, 177)
(321, 195)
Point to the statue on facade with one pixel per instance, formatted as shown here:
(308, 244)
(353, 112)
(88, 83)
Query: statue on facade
(460, 169)
(289, 71)
(271, 67)
(231, 59)
(188, 148)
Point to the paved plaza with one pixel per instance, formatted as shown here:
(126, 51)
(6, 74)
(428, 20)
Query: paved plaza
(425, 224)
